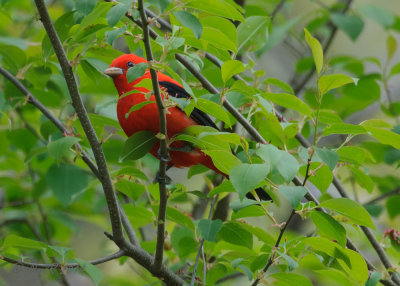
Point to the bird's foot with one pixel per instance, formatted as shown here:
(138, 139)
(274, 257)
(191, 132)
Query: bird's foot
(166, 158)
(165, 180)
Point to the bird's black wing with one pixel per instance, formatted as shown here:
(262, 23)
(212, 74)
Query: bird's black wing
(179, 92)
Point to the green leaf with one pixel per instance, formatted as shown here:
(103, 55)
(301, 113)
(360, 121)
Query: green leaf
(316, 50)
(176, 216)
(183, 242)
(328, 116)
(216, 7)
(354, 154)
(138, 145)
(136, 71)
(293, 194)
(392, 206)
(139, 215)
(332, 81)
(281, 84)
(395, 70)
(344, 128)
(61, 147)
(85, 6)
(90, 19)
(131, 189)
(329, 157)
(23, 243)
(116, 13)
(329, 227)
(374, 279)
(288, 279)
(391, 45)
(230, 68)
(223, 160)
(234, 233)
(362, 179)
(246, 177)
(287, 166)
(92, 271)
(113, 34)
(190, 21)
(350, 24)
(251, 28)
(209, 229)
(378, 14)
(289, 101)
(213, 109)
(320, 176)
(237, 205)
(224, 187)
(385, 136)
(350, 209)
(218, 39)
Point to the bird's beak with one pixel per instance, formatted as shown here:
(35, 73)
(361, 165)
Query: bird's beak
(113, 72)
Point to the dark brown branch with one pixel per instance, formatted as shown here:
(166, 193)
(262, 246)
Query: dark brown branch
(87, 126)
(35, 102)
(163, 152)
(58, 265)
(277, 9)
(383, 196)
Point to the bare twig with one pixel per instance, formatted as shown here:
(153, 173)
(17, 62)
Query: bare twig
(87, 126)
(277, 9)
(58, 265)
(163, 152)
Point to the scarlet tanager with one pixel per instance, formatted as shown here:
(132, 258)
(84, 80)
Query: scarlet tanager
(146, 118)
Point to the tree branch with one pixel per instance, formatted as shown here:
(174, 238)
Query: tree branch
(87, 126)
(58, 265)
(396, 191)
(277, 9)
(163, 152)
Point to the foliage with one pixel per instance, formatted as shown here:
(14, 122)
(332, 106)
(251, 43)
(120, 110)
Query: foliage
(49, 193)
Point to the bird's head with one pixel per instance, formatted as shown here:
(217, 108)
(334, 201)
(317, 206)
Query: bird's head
(118, 69)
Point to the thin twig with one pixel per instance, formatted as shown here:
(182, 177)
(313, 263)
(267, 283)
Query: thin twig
(87, 126)
(246, 125)
(396, 191)
(201, 246)
(60, 266)
(277, 9)
(163, 152)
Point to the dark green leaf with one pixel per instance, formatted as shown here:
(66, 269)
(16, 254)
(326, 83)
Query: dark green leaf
(138, 145)
(329, 157)
(251, 28)
(209, 229)
(237, 205)
(350, 24)
(246, 177)
(66, 181)
(92, 271)
(116, 13)
(350, 209)
(329, 227)
(378, 14)
(216, 7)
(60, 147)
(113, 34)
(23, 243)
(85, 6)
(288, 279)
(234, 233)
(136, 71)
(392, 206)
(289, 101)
(293, 194)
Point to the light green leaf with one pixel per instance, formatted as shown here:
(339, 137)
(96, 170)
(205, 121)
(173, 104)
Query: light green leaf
(216, 7)
(224, 187)
(246, 177)
(344, 128)
(289, 101)
(281, 84)
(213, 109)
(230, 68)
(138, 145)
(190, 21)
(23, 243)
(237, 205)
(249, 29)
(332, 81)
(91, 270)
(350, 209)
(320, 176)
(293, 194)
(391, 45)
(329, 227)
(288, 279)
(385, 136)
(316, 50)
(378, 14)
(362, 179)
(392, 206)
(61, 147)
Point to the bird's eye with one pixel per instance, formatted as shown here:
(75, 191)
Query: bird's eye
(130, 64)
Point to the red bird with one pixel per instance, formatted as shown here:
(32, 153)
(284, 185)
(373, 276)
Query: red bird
(146, 118)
